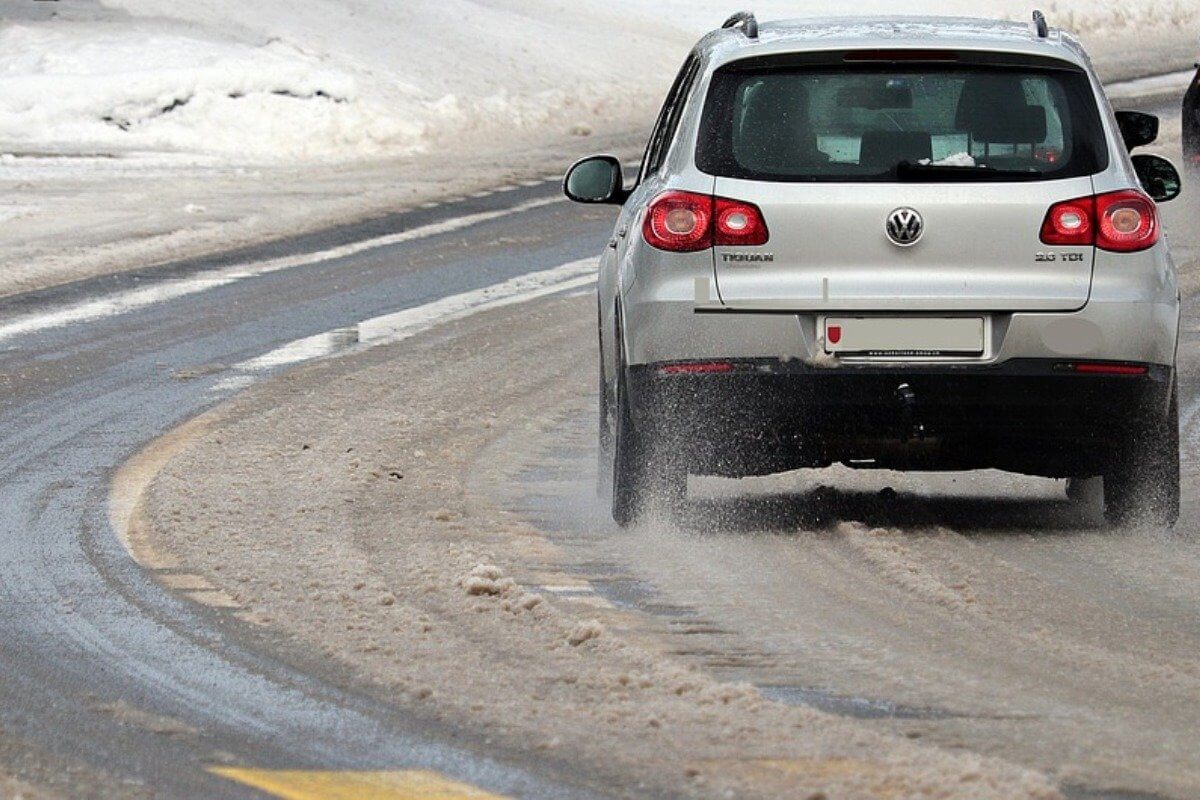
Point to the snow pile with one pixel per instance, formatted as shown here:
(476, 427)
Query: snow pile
(100, 86)
(1084, 17)
(277, 80)
(1113, 19)
(487, 579)
(585, 631)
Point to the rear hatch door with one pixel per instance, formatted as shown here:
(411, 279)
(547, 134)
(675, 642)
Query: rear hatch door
(977, 247)
(961, 155)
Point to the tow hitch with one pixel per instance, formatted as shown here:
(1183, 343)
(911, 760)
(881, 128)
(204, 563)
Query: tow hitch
(909, 428)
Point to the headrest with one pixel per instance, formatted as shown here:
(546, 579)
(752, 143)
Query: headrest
(775, 135)
(1021, 125)
(993, 108)
(776, 104)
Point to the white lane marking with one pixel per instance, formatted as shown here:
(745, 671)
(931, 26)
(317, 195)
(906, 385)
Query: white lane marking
(133, 299)
(400, 325)
(1152, 85)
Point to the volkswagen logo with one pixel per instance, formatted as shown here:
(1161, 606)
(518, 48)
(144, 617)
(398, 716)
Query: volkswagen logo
(904, 227)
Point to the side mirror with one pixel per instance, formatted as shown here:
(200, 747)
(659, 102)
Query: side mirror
(1158, 176)
(596, 179)
(1137, 129)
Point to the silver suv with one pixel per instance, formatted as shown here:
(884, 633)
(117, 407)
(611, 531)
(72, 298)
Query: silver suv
(895, 243)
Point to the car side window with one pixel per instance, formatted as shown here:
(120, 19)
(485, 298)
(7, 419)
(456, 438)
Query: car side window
(668, 118)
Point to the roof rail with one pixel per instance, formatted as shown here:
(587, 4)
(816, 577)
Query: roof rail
(746, 21)
(1039, 25)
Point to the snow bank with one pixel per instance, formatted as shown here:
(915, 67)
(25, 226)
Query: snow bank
(281, 81)
(277, 80)
(1084, 17)
(108, 86)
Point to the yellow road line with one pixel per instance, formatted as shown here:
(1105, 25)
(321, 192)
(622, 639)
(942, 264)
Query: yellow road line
(331, 785)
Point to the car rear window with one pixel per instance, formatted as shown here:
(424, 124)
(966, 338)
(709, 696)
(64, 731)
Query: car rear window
(919, 122)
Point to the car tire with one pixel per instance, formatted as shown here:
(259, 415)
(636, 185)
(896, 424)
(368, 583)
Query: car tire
(628, 477)
(643, 482)
(644, 478)
(1141, 484)
(604, 440)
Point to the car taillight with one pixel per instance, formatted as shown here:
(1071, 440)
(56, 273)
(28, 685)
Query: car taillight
(680, 222)
(1128, 221)
(739, 224)
(686, 222)
(1122, 222)
(1071, 223)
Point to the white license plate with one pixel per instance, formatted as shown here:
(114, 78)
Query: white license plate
(904, 336)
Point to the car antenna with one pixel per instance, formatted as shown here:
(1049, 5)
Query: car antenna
(745, 20)
(1039, 24)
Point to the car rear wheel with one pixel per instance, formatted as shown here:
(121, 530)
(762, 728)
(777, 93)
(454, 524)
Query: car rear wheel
(1141, 485)
(604, 449)
(644, 478)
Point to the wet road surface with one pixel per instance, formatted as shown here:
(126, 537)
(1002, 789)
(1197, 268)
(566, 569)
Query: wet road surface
(113, 687)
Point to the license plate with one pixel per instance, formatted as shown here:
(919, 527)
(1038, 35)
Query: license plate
(904, 336)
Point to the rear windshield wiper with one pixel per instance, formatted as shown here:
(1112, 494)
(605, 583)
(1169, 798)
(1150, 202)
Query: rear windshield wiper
(907, 170)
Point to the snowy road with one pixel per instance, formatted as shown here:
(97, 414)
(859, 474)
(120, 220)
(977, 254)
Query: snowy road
(114, 685)
(111, 686)
(982, 611)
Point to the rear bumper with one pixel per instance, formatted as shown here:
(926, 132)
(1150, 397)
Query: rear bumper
(1036, 416)
(1141, 332)
(1132, 314)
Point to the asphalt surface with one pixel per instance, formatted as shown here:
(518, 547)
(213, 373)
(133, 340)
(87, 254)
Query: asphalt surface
(85, 634)
(111, 685)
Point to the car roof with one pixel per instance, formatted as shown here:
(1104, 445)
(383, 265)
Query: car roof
(850, 33)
